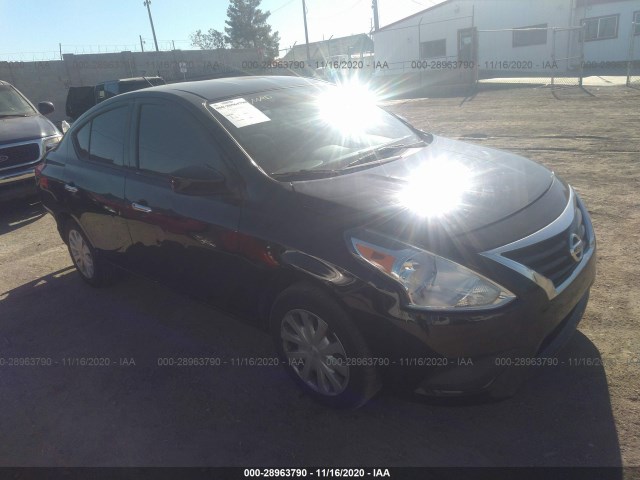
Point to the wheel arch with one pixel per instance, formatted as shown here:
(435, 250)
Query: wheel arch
(62, 219)
(298, 267)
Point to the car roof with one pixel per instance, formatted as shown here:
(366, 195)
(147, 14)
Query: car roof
(233, 86)
(134, 79)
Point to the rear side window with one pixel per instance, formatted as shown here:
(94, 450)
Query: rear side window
(82, 140)
(103, 138)
(170, 139)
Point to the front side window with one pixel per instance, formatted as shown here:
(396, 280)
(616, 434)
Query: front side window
(313, 128)
(13, 104)
(102, 139)
(170, 139)
(601, 28)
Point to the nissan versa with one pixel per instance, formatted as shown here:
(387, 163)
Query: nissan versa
(372, 251)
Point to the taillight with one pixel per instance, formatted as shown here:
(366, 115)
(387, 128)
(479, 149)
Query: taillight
(39, 168)
(41, 181)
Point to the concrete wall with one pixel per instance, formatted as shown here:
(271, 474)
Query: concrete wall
(50, 80)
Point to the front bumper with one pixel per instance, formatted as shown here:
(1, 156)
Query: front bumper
(17, 183)
(16, 176)
(501, 375)
(492, 354)
(488, 351)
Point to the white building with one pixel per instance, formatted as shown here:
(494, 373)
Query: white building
(518, 36)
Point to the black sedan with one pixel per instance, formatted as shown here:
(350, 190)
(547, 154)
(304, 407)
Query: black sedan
(374, 252)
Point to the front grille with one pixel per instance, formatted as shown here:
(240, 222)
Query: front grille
(552, 257)
(14, 155)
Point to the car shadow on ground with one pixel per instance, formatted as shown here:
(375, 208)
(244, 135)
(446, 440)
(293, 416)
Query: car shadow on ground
(17, 213)
(103, 395)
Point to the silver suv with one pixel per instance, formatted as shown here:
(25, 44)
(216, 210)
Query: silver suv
(25, 136)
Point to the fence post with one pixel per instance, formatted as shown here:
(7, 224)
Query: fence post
(632, 41)
(476, 57)
(581, 37)
(553, 56)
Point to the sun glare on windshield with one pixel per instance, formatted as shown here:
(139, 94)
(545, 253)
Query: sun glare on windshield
(349, 107)
(436, 188)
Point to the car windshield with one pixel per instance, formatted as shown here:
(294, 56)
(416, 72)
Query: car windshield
(314, 129)
(13, 104)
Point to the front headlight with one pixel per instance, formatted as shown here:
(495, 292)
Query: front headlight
(49, 143)
(432, 281)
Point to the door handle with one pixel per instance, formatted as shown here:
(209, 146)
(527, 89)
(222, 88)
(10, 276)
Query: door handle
(141, 208)
(69, 187)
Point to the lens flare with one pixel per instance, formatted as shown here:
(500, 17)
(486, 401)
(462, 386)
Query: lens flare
(436, 188)
(350, 108)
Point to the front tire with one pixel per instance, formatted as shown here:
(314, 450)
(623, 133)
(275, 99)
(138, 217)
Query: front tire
(317, 342)
(92, 269)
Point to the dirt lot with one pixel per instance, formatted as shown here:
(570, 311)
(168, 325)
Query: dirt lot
(143, 414)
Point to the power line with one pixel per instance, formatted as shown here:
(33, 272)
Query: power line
(281, 7)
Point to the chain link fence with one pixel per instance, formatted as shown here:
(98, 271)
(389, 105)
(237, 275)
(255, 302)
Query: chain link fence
(536, 55)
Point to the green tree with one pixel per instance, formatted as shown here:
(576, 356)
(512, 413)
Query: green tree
(211, 40)
(247, 27)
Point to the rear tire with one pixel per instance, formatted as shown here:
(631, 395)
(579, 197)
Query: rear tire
(317, 343)
(93, 269)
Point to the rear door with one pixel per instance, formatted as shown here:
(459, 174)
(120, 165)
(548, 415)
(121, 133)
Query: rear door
(184, 240)
(94, 177)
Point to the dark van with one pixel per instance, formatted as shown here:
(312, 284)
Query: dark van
(81, 99)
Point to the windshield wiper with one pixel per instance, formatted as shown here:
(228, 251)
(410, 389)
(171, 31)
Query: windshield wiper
(375, 154)
(305, 173)
(370, 157)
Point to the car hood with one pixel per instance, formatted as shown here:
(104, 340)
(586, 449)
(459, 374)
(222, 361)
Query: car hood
(405, 191)
(18, 129)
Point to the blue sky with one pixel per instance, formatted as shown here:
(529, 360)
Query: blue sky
(32, 29)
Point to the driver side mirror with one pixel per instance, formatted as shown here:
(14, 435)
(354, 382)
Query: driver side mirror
(45, 108)
(198, 180)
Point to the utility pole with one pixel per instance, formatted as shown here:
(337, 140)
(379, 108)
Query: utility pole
(306, 32)
(141, 43)
(376, 23)
(147, 4)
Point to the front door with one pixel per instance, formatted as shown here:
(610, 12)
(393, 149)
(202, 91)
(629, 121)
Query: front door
(185, 240)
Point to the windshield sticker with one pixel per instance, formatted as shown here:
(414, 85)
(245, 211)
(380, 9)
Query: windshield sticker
(240, 112)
